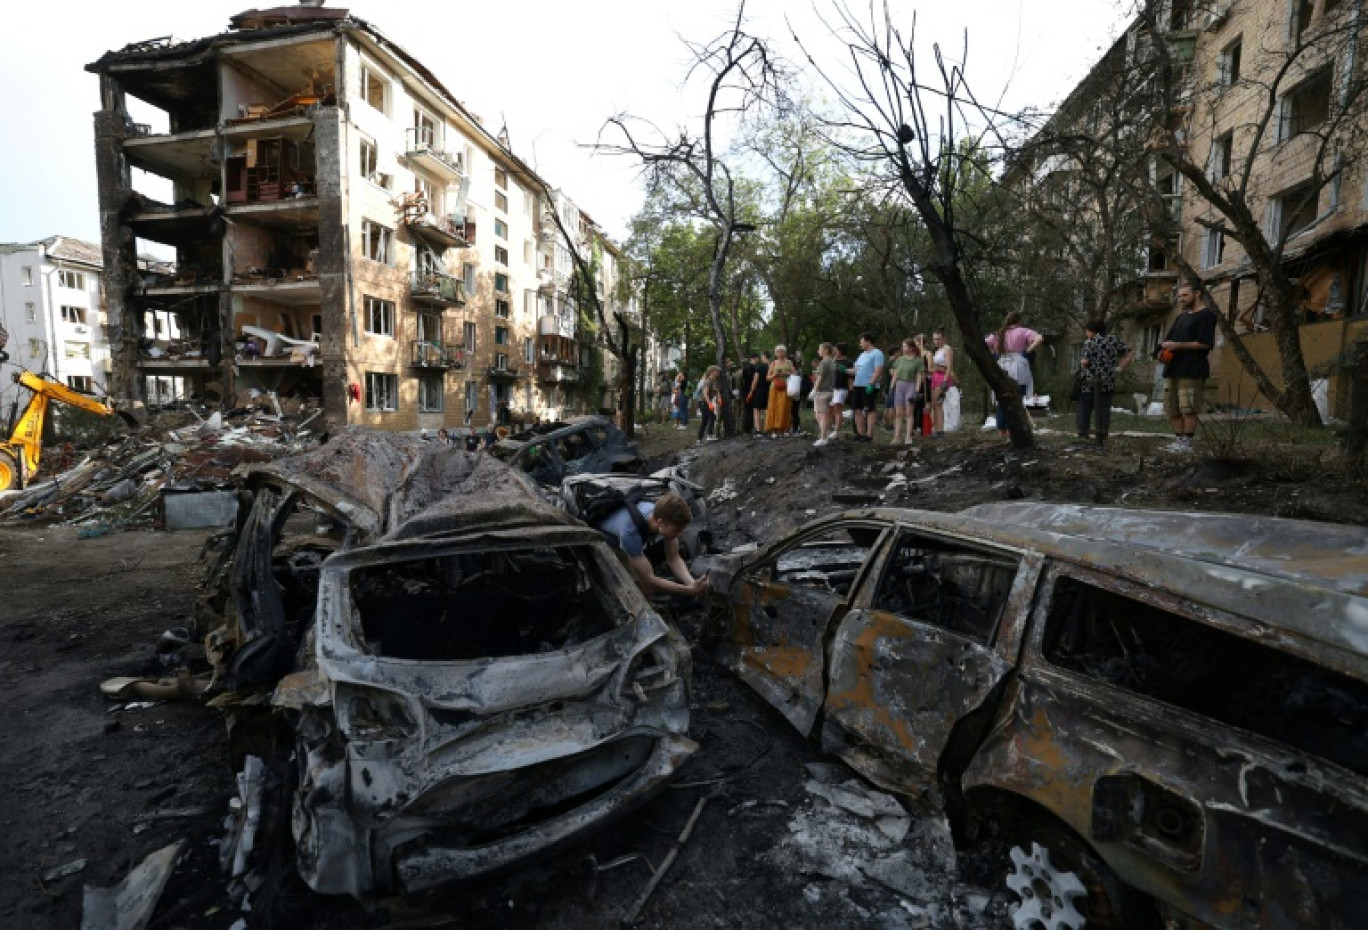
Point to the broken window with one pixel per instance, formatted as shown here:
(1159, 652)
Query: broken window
(379, 317)
(1144, 649)
(500, 363)
(382, 392)
(1168, 186)
(829, 561)
(430, 328)
(1305, 107)
(370, 165)
(374, 88)
(80, 383)
(501, 255)
(1213, 248)
(1222, 151)
(959, 590)
(71, 279)
(1297, 209)
(529, 353)
(1228, 64)
(377, 242)
(501, 335)
(430, 395)
(483, 605)
(425, 130)
(73, 314)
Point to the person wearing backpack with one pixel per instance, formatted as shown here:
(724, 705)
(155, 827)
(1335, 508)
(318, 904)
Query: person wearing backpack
(634, 525)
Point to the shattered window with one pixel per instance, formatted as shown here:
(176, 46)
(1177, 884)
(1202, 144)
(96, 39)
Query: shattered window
(382, 392)
(958, 590)
(430, 396)
(829, 561)
(71, 279)
(483, 605)
(1144, 649)
(374, 89)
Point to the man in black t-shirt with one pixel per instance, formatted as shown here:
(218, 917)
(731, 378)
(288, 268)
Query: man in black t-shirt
(1187, 346)
(758, 397)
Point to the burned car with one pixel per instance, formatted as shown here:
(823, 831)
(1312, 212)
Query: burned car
(580, 445)
(1147, 715)
(467, 676)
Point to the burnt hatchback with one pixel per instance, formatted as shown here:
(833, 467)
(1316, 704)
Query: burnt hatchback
(466, 674)
(1149, 715)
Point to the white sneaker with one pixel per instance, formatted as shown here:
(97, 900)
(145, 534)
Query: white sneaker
(819, 443)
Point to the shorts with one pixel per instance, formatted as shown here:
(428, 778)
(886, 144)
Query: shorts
(1183, 396)
(862, 399)
(905, 394)
(939, 380)
(821, 402)
(838, 397)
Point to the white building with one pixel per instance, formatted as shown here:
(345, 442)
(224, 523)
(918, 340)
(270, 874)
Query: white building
(51, 305)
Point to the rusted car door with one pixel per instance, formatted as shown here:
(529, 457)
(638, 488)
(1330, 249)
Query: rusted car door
(783, 605)
(927, 644)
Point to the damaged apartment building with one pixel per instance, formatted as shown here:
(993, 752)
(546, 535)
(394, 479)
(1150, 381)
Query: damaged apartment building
(1266, 98)
(346, 232)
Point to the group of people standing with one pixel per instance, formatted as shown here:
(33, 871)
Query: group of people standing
(914, 380)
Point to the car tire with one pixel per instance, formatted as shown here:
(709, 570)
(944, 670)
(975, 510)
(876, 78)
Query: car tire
(1058, 883)
(9, 472)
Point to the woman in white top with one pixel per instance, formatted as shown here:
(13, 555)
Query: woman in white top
(942, 379)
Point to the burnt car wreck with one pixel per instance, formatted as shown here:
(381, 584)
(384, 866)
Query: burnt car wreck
(580, 445)
(460, 675)
(1148, 716)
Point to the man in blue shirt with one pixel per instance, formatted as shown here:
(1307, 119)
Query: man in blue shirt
(667, 517)
(869, 366)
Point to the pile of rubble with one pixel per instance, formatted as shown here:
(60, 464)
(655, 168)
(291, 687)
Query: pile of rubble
(178, 471)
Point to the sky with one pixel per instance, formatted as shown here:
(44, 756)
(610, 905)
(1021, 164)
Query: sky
(549, 70)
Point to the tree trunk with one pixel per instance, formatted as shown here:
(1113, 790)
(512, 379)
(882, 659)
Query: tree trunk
(719, 334)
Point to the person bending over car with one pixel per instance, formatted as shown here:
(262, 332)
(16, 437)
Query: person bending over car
(665, 517)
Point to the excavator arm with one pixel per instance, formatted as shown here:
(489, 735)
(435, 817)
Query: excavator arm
(19, 453)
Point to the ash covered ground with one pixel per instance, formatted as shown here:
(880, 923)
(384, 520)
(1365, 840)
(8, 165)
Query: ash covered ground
(785, 838)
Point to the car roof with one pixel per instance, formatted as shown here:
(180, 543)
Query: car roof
(392, 486)
(1287, 576)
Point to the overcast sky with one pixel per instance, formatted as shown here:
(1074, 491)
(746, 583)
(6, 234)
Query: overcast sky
(551, 71)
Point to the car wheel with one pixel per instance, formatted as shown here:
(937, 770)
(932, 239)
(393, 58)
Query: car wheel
(1061, 884)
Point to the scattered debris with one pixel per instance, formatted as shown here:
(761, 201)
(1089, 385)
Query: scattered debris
(129, 904)
(62, 871)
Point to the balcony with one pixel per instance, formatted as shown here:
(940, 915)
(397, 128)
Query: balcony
(420, 147)
(553, 325)
(508, 373)
(438, 288)
(430, 355)
(557, 371)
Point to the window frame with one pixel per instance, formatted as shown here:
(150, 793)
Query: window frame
(373, 78)
(73, 314)
(70, 279)
(500, 228)
(384, 310)
(427, 384)
(382, 392)
(385, 240)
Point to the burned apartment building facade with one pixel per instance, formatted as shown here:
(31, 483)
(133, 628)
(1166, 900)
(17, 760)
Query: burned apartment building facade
(1266, 98)
(346, 232)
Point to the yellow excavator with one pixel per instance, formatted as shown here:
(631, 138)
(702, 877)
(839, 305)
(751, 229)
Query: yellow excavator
(19, 453)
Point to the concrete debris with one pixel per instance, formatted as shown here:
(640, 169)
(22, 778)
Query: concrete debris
(129, 904)
(155, 476)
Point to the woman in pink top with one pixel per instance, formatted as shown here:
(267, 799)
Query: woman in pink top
(1010, 344)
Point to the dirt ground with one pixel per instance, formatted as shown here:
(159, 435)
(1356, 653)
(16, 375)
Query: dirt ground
(107, 783)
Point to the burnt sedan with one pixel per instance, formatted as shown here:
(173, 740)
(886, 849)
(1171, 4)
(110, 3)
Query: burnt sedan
(580, 445)
(1148, 715)
(466, 675)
